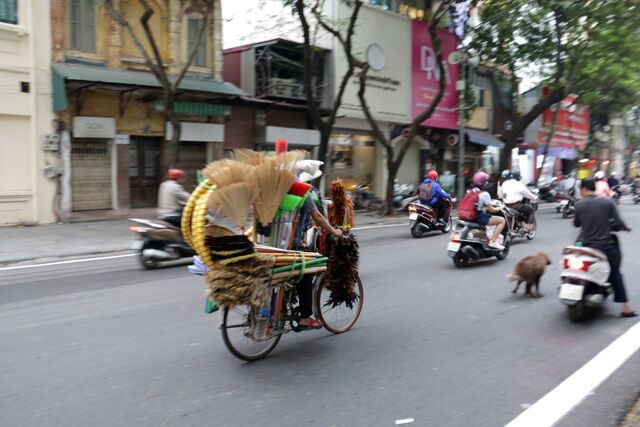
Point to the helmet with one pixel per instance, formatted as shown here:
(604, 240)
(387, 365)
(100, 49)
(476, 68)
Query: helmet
(433, 175)
(175, 174)
(599, 175)
(506, 174)
(516, 175)
(480, 178)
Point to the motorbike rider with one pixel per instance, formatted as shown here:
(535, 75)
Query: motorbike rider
(309, 170)
(514, 194)
(597, 217)
(172, 197)
(602, 188)
(431, 193)
(485, 208)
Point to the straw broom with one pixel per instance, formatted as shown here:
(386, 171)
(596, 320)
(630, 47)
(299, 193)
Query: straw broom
(227, 172)
(249, 157)
(234, 201)
(273, 180)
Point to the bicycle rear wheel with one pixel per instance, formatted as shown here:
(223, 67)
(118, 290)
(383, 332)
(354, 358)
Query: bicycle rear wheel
(340, 318)
(237, 335)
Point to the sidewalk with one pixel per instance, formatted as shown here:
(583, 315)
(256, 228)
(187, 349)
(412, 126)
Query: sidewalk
(52, 241)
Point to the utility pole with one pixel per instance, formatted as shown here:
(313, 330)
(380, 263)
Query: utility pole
(460, 86)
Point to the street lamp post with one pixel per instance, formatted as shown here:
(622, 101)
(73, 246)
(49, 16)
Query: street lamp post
(460, 86)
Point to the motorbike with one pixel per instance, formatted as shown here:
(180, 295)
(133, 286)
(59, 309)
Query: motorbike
(567, 206)
(404, 195)
(158, 241)
(617, 193)
(516, 221)
(424, 218)
(469, 241)
(548, 191)
(364, 199)
(636, 195)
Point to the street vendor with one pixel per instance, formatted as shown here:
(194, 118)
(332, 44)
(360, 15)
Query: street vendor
(307, 171)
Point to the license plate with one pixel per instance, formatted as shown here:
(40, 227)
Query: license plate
(571, 292)
(136, 245)
(453, 247)
(413, 216)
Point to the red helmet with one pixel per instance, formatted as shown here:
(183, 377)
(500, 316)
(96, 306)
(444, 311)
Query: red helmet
(175, 174)
(433, 175)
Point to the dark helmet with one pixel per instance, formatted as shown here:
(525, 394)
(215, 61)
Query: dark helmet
(516, 175)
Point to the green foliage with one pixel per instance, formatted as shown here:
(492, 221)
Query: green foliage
(590, 47)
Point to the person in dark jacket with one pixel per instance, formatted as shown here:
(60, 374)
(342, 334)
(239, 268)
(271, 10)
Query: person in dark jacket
(597, 218)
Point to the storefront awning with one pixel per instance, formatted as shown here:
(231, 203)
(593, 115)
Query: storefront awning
(481, 137)
(61, 73)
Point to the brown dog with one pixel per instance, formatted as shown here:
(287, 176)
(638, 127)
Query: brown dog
(529, 270)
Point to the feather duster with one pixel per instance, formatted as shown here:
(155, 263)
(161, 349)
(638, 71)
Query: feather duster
(341, 212)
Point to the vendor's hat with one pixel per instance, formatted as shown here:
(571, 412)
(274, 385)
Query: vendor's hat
(308, 170)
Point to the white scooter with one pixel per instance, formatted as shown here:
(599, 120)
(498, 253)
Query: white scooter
(584, 273)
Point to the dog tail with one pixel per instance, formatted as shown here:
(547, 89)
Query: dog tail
(514, 278)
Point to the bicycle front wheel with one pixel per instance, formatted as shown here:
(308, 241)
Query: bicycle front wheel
(340, 318)
(238, 336)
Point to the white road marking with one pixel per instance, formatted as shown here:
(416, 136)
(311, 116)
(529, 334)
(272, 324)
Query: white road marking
(379, 226)
(571, 392)
(404, 421)
(71, 261)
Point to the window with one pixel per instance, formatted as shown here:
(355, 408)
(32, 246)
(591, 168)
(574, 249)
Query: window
(8, 11)
(82, 14)
(194, 26)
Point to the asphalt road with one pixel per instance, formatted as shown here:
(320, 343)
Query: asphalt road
(104, 343)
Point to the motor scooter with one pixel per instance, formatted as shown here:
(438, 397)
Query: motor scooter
(469, 241)
(158, 241)
(584, 273)
(424, 218)
(568, 205)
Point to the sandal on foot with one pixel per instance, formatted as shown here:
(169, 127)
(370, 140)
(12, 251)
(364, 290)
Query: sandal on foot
(313, 324)
(628, 314)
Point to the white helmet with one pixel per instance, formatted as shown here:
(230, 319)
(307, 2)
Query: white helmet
(599, 175)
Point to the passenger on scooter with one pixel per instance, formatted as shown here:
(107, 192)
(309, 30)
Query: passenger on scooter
(514, 193)
(597, 217)
(172, 197)
(485, 208)
(602, 188)
(431, 193)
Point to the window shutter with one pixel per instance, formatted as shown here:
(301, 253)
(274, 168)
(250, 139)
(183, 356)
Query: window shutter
(89, 30)
(8, 11)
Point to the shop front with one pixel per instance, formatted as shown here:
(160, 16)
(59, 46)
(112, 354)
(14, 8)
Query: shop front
(352, 157)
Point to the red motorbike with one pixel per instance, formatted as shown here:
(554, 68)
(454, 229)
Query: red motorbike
(424, 218)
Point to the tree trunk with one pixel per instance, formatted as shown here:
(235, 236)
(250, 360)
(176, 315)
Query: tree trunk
(392, 171)
(174, 143)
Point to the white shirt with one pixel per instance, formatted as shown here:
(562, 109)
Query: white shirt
(513, 191)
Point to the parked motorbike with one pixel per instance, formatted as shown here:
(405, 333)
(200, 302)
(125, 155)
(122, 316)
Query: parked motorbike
(568, 205)
(548, 191)
(158, 241)
(404, 194)
(424, 218)
(469, 241)
(364, 200)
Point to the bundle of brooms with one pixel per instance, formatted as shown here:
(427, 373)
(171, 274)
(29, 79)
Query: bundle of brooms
(343, 254)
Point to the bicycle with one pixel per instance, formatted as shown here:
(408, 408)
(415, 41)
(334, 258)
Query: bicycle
(250, 337)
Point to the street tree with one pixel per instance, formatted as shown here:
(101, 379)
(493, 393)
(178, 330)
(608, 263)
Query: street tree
(570, 43)
(310, 16)
(397, 148)
(152, 57)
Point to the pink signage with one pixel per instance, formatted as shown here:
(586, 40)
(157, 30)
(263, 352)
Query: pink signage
(425, 75)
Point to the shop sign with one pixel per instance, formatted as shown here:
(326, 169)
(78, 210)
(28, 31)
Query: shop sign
(425, 76)
(572, 128)
(122, 139)
(94, 127)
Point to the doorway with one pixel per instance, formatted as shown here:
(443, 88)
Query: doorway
(144, 171)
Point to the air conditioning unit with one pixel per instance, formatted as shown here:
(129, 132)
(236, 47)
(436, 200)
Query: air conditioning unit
(280, 87)
(297, 91)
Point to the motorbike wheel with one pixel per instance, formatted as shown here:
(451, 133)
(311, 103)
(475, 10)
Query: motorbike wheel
(147, 262)
(415, 233)
(576, 312)
(502, 255)
(447, 228)
(565, 213)
(533, 232)
(460, 261)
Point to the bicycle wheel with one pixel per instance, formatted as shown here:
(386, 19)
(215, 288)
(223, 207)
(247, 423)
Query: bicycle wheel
(340, 318)
(237, 335)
